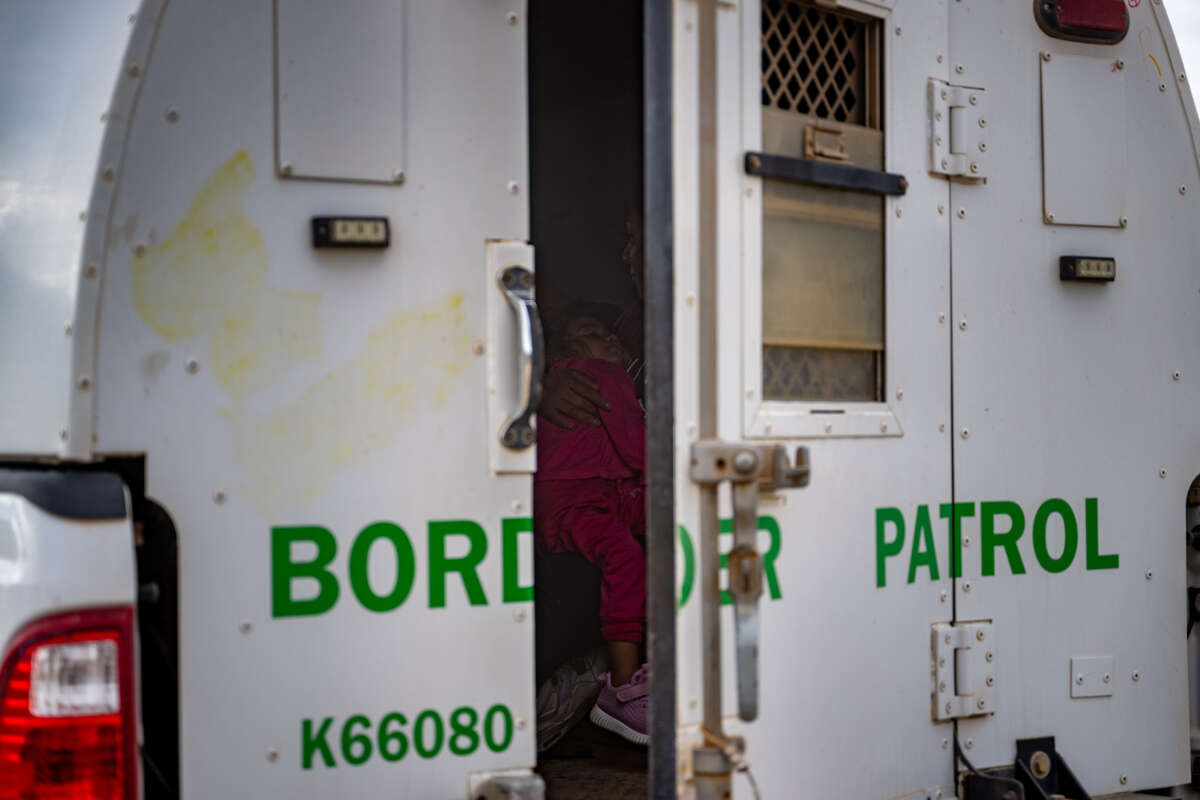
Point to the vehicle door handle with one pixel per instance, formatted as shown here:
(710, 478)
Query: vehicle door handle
(747, 468)
(517, 284)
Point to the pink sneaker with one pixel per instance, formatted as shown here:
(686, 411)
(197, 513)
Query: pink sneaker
(624, 710)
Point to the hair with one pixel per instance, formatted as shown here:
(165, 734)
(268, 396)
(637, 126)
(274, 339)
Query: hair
(558, 346)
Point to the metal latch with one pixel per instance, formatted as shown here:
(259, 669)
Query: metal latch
(958, 141)
(747, 467)
(964, 670)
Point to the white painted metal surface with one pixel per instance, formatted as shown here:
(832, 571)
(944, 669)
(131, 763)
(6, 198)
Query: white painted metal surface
(274, 386)
(1065, 404)
(58, 65)
(1084, 144)
(50, 564)
(340, 99)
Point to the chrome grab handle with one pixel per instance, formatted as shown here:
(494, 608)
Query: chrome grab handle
(517, 285)
(747, 467)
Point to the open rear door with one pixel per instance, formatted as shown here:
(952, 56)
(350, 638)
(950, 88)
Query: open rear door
(812, 310)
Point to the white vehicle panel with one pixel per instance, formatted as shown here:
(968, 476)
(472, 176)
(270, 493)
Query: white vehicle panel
(1075, 402)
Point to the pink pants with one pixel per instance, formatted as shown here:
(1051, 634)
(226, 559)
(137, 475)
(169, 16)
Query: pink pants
(598, 518)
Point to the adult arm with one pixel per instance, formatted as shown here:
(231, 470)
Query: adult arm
(570, 396)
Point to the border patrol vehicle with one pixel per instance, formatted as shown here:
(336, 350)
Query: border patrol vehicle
(921, 312)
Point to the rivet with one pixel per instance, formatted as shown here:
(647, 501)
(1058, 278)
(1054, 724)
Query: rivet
(899, 394)
(945, 163)
(942, 661)
(768, 428)
(989, 656)
(132, 18)
(272, 755)
(133, 70)
(962, 324)
(1049, 216)
(1120, 63)
(139, 249)
(947, 639)
(82, 216)
(966, 586)
(937, 114)
(519, 615)
(966, 541)
(828, 427)
(85, 382)
(974, 99)
(1182, 77)
(970, 743)
(979, 635)
(981, 703)
(941, 208)
(966, 434)
(1124, 778)
(1079, 679)
(67, 329)
(108, 174)
(974, 166)
(62, 433)
(1162, 87)
(512, 18)
(983, 147)
(1149, 574)
(171, 114)
(899, 212)
(397, 176)
(1137, 676)
(962, 213)
(89, 269)
(982, 122)
(244, 626)
(1046, 56)
(899, 30)
(513, 188)
(941, 427)
(941, 317)
(945, 745)
(945, 95)
(285, 168)
(1176, 375)
(940, 58)
(1162, 473)
(745, 461)
(749, 191)
(477, 348)
(1183, 188)
(942, 686)
(1123, 222)
(991, 680)
(690, 300)
(1107, 678)
(192, 366)
(949, 708)
(883, 427)
(942, 595)
(958, 68)
(515, 505)
(219, 496)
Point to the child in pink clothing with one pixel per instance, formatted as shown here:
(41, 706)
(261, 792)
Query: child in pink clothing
(589, 498)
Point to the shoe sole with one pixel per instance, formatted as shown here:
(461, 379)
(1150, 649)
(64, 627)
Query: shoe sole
(603, 719)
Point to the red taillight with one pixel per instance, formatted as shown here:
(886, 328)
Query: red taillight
(1097, 21)
(67, 717)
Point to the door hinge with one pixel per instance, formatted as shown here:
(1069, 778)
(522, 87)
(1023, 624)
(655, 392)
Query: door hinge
(958, 130)
(964, 670)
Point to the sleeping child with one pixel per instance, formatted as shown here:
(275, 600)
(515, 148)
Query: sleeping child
(589, 498)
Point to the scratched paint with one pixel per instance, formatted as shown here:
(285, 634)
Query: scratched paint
(209, 277)
(406, 367)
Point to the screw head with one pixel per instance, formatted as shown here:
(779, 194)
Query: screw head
(942, 686)
(1137, 676)
(974, 167)
(981, 703)
(192, 366)
(982, 122)
(218, 496)
(244, 626)
(519, 615)
(899, 212)
(272, 755)
(962, 324)
(1162, 87)
(966, 433)
(133, 70)
(946, 639)
(1046, 56)
(883, 427)
(512, 18)
(989, 656)
(85, 382)
(974, 99)
(285, 168)
(945, 163)
(940, 58)
(959, 68)
(1123, 222)
(745, 461)
(1183, 188)
(1120, 63)
(983, 147)
(991, 680)
(1176, 375)
(513, 187)
(899, 31)
(398, 176)
(89, 269)
(139, 249)
(979, 635)
(478, 348)
(62, 433)
(945, 745)
(941, 317)
(1049, 217)
(1107, 678)
(1162, 473)
(969, 743)
(1124, 778)
(967, 587)
(1079, 679)
(942, 595)
(171, 114)
(899, 394)
(1149, 574)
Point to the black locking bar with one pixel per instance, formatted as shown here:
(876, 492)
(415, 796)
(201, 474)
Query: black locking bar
(823, 173)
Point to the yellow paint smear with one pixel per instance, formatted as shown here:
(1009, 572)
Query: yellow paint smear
(406, 366)
(209, 276)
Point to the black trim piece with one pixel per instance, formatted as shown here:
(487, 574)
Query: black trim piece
(661, 607)
(823, 173)
(75, 495)
(1046, 13)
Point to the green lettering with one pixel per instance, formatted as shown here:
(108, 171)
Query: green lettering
(989, 540)
(1091, 526)
(489, 727)
(513, 591)
(395, 737)
(956, 512)
(1070, 535)
(349, 739)
(771, 526)
(883, 548)
(419, 743)
(406, 567)
(689, 565)
(284, 571)
(310, 743)
(466, 566)
(923, 552)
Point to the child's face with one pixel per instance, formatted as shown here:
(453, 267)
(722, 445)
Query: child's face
(592, 339)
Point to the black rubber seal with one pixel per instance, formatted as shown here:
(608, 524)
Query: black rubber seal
(75, 495)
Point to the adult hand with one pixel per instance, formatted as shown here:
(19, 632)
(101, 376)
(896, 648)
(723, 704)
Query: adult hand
(569, 396)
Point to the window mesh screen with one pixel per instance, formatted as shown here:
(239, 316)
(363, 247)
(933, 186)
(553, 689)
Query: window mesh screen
(813, 62)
